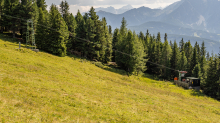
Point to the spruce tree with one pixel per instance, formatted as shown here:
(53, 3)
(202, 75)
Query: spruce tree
(211, 87)
(108, 45)
(165, 58)
(139, 59)
(28, 10)
(126, 46)
(115, 40)
(123, 28)
(182, 44)
(188, 53)
(183, 62)
(42, 32)
(59, 37)
(42, 4)
(79, 43)
(197, 71)
(175, 60)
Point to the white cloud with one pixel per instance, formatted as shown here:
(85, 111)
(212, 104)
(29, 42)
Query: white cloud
(74, 9)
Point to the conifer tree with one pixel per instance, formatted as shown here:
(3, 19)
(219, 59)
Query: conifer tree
(28, 10)
(195, 59)
(158, 53)
(110, 29)
(80, 33)
(115, 40)
(203, 50)
(123, 28)
(11, 8)
(175, 59)
(188, 53)
(165, 58)
(42, 32)
(42, 4)
(183, 62)
(108, 45)
(125, 46)
(207, 56)
(211, 87)
(59, 37)
(139, 59)
(197, 71)
(182, 44)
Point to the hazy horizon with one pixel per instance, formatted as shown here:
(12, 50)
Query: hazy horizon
(84, 5)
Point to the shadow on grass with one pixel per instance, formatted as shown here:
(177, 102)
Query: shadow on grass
(197, 93)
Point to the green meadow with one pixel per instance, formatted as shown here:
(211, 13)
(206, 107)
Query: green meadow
(40, 87)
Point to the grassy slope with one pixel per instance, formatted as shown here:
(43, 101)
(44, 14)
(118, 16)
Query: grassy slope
(40, 87)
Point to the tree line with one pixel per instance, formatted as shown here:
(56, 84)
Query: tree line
(94, 39)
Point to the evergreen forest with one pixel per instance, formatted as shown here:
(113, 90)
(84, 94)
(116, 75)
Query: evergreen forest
(59, 32)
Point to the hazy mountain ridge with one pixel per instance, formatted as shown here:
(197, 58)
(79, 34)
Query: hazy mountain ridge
(193, 18)
(113, 10)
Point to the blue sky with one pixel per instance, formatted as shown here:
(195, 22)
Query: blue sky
(85, 5)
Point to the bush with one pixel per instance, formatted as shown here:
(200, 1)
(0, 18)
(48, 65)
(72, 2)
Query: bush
(99, 64)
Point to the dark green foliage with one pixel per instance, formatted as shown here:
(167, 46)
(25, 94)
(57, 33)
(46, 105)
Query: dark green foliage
(58, 38)
(197, 71)
(80, 33)
(175, 59)
(41, 32)
(115, 40)
(182, 45)
(123, 29)
(165, 59)
(211, 86)
(42, 4)
(183, 62)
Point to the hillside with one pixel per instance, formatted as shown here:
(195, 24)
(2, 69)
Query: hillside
(40, 87)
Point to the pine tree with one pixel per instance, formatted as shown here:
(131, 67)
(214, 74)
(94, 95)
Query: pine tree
(207, 56)
(139, 59)
(165, 58)
(123, 28)
(195, 59)
(110, 29)
(115, 40)
(108, 38)
(188, 53)
(42, 32)
(10, 8)
(28, 10)
(197, 71)
(78, 44)
(175, 59)
(64, 10)
(42, 4)
(203, 50)
(183, 62)
(182, 45)
(126, 46)
(211, 87)
(59, 37)
(158, 53)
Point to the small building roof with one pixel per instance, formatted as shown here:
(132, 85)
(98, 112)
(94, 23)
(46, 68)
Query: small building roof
(191, 78)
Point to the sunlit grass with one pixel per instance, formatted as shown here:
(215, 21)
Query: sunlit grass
(40, 87)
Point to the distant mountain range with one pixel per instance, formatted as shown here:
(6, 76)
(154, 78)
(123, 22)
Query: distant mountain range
(113, 10)
(193, 19)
